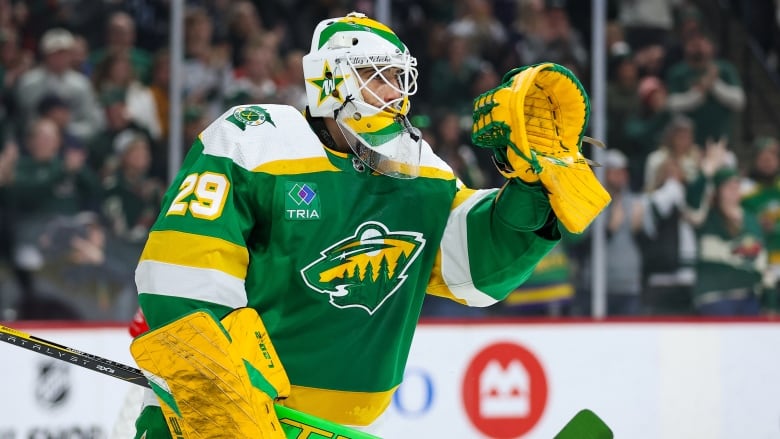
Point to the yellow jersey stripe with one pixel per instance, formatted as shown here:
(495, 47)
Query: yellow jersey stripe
(343, 407)
(191, 250)
(297, 166)
(432, 172)
(543, 294)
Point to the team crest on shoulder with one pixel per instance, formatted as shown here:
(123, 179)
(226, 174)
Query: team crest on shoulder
(249, 115)
(365, 269)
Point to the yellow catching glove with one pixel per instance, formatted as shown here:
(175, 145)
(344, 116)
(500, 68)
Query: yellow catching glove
(215, 379)
(534, 122)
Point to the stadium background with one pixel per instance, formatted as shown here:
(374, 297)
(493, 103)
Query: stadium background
(84, 160)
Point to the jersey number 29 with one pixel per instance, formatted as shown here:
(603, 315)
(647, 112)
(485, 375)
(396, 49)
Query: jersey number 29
(210, 192)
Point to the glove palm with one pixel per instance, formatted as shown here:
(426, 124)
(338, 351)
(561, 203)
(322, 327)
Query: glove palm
(534, 122)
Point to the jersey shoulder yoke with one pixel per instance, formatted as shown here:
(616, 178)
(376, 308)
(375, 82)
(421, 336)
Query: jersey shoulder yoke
(258, 134)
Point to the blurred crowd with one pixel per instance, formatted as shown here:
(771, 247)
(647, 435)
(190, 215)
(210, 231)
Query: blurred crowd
(84, 134)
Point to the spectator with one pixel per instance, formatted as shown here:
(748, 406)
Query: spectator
(80, 274)
(651, 60)
(453, 76)
(131, 197)
(207, 65)
(254, 80)
(644, 127)
(80, 61)
(624, 218)
(8, 157)
(115, 73)
(102, 147)
(14, 62)
(668, 247)
(195, 121)
(678, 201)
(9, 154)
(678, 146)
(54, 108)
(478, 25)
(761, 197)
(44, 186)
(687, 25)
(555, 41)
(485, 79)
(647, 22)
(668, 242)
(529, 20)
(56, 76)
(49, 179)
(452, 148)
(120, 39)
(732, 257)
(244, 26)
(290, 80)
(622, 98)
(159, 86)
(707, 89)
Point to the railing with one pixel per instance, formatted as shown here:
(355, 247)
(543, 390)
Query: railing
(729, 24)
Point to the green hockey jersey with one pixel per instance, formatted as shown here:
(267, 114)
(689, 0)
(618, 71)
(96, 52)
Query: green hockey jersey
(336, 259)
(763, 200)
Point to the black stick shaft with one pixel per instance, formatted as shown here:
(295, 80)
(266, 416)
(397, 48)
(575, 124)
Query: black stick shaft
(73, 356)
(298, 420)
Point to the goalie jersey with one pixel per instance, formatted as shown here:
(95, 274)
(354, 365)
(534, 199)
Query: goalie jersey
(335, 258)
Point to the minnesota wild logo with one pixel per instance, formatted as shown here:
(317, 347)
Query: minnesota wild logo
(365, 269)
(249, 115)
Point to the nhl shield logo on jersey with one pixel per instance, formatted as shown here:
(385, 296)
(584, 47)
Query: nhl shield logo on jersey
(365, 269)
(249, 115)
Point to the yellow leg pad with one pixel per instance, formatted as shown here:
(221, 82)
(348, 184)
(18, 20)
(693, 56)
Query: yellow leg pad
(214, 380)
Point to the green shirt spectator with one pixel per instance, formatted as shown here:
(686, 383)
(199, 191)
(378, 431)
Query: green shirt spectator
(706, 89)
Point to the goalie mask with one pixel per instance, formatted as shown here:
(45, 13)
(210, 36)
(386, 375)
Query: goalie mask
(350, 59)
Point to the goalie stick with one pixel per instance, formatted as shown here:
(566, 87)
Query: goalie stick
(297, 425)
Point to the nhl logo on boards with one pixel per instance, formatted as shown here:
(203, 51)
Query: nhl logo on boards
(52, 386)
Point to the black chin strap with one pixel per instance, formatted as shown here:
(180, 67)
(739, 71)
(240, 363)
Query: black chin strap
(317, 124)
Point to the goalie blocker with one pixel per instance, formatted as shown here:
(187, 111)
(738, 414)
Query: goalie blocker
(535, 123)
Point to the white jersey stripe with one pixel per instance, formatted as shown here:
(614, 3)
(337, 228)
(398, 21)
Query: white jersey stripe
(455, 268)
(191, 283)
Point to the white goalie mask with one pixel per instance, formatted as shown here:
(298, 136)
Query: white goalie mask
(349, 56)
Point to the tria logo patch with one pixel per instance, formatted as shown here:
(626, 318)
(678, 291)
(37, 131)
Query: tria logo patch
(365, 269)
(302, 201)
(249, 115)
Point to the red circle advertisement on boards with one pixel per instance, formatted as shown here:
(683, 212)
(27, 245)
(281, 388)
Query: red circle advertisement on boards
(504, 390)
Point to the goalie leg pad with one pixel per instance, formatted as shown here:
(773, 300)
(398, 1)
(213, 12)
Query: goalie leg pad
(215, 379)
